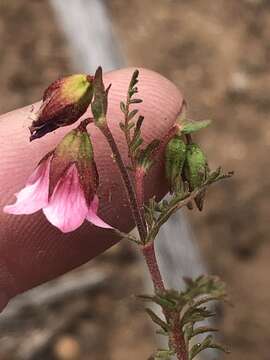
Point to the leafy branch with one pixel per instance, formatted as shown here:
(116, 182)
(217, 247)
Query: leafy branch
(133, 138)
(188, 177)
(165, 209)
(185, 310)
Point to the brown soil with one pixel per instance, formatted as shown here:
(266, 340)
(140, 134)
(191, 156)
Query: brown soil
(218, 53)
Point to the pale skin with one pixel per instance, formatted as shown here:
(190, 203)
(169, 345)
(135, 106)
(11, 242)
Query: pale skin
(32, 251)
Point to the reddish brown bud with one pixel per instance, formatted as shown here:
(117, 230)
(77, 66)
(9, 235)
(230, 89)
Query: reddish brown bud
(64, 102)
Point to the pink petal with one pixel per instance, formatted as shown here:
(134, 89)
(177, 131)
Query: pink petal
(67, 207)
(34, 195)
(92, 215)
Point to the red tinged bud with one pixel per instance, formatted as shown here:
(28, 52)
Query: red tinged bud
(64, 102)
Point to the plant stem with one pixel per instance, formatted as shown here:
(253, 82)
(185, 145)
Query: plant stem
(135, 208)
(139, 186)
(177, 337)
(149, 254)
(178, 341)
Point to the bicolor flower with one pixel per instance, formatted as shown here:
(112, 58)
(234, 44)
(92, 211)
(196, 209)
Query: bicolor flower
(64, 102)
(63, 185)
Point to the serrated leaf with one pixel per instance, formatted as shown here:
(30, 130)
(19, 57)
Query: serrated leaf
(190, 126)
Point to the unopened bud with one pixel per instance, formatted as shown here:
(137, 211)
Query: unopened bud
(64, 102)
(100, 102)
(196, 171)
(175, 155)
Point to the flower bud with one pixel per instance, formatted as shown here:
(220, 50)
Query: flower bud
(175, 154)
(64, 102)
(99, 104)
(196, 171)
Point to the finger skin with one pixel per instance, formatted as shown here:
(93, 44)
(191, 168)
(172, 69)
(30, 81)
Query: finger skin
(33, 251)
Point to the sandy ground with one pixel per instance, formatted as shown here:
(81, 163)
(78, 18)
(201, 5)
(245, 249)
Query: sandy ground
(218, 53)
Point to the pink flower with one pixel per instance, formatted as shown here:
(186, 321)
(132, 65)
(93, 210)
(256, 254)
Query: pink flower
(63, 185)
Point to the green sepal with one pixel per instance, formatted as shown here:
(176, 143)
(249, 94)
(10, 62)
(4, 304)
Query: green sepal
(196, 171)
(191, 126)
(99, 104)
(175, 155)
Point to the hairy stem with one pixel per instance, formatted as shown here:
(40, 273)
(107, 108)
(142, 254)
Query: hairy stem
(177, 338)
(127, 182)
(139, 187)
(149, 254)
(178, 341)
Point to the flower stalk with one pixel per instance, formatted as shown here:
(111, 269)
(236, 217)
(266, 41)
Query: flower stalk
(148, 251)
(177, 337)
(127, 182)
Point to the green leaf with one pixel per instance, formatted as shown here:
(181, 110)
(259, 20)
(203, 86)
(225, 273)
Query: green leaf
(163, 354)
(122, 126)
(130, 125)
(136, 143)
(134, 79)
(100, 101)
(132, 114)
(207, 343)
(193, 315)
(197, 348)
(190, 126)
(164, 326)
(150, 148)
(135, 101)
(138, 125)
(201, 330)
(123, 107)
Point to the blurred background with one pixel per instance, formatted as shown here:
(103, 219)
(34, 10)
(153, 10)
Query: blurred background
(218, 54)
